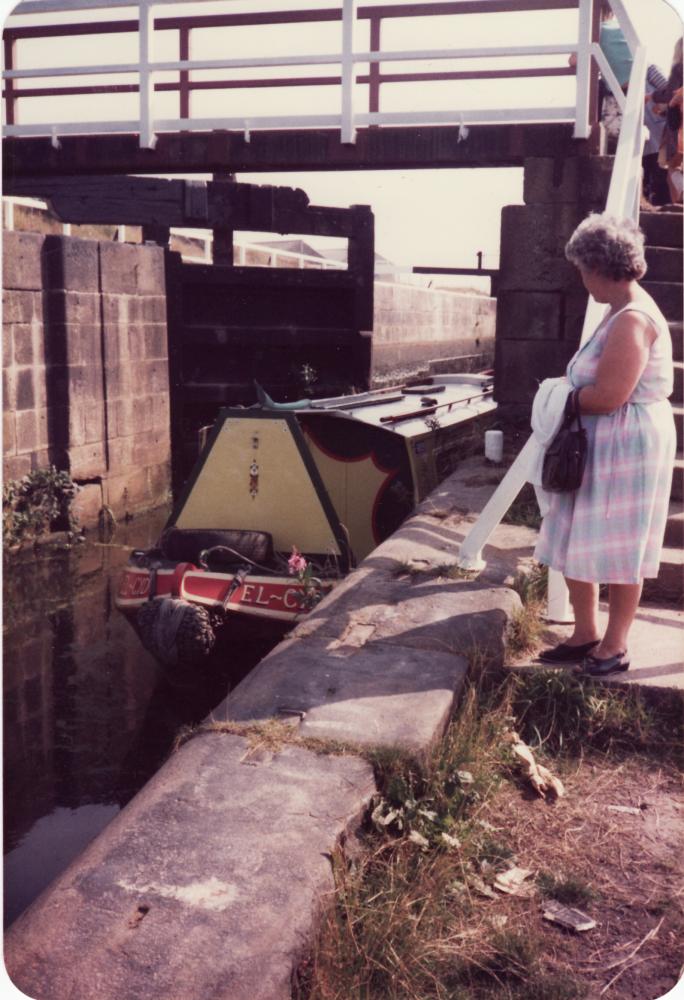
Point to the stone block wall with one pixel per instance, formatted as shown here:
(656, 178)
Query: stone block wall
(420, 329)
(541, 300)
(85, 367)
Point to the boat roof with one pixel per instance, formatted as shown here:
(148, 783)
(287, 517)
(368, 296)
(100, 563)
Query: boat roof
(409, 409)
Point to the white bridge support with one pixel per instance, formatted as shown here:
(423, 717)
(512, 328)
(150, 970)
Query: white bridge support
(623, 201)
(348, 129)
(145, 36)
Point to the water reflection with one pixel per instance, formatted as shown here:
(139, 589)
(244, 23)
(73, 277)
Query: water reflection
(47, 849)
(89, 716)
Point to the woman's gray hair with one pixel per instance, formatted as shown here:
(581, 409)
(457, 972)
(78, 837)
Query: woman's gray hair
(606, 245)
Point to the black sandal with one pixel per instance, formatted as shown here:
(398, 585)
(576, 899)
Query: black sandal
(595, 667)
(566, 654)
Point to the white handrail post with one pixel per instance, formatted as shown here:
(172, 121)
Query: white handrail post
(145, 32)
(623, 195)
(558, 599)
(348, 130)
(582, 71)
(470, 552)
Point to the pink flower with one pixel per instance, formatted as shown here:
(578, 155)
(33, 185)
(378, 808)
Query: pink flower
(297, 563)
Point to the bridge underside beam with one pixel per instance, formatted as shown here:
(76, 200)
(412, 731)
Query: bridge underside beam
(375, 149)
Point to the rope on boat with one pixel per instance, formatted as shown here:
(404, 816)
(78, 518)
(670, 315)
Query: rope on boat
(206, 554)
(175, 631)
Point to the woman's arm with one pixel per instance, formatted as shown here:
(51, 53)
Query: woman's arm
(621, 364)
(655, 77)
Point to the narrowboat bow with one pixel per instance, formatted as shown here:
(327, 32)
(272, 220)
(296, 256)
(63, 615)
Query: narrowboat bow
(285, 499)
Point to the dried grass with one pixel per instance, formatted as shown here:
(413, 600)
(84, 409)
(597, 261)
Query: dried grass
(408, 920)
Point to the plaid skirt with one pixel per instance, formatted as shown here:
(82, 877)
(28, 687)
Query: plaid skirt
(611, 529)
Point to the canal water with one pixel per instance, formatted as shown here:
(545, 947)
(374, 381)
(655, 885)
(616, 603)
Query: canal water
(89, 715)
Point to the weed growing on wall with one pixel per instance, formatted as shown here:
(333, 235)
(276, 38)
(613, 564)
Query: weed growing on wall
(525, 627)
(36, 504)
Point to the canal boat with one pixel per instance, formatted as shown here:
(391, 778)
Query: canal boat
(285, 499)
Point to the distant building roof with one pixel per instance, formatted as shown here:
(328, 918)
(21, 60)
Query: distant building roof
(340, 253)
(292, 246)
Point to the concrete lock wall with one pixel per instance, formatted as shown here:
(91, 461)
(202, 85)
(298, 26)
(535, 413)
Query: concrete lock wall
(541, 300)
(85, 367)
(420, 329)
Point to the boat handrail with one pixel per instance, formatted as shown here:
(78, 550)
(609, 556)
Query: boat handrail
(426, 410)
(356, 404)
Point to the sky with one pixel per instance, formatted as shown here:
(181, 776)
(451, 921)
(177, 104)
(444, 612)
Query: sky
(422, 217)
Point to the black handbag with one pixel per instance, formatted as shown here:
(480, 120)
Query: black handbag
(566, 456)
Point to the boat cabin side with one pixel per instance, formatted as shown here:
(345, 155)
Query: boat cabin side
(336, 477)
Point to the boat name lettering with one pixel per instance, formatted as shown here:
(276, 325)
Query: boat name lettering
(134, 585)
(291, 598)
(264, 595)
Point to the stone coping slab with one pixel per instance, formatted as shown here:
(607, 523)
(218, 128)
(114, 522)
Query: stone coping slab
(205, 885)
(374, 694)
(427, 613)
(365, 671)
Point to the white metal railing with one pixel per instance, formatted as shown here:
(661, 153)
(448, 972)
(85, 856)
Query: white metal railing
(347, 119)
(622, 201)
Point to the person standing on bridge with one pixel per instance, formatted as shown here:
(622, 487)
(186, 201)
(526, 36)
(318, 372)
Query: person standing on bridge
(611, 529)
(615, 48)
(670, 153)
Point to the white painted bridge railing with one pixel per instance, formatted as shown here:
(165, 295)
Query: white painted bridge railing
(623, 201)
(346, 61)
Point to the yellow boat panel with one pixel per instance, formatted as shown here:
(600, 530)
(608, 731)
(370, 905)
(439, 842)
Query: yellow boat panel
(255, 477)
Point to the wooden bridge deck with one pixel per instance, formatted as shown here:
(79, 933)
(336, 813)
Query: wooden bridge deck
(292, 149)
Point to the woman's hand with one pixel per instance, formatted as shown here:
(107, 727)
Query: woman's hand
(620, 367)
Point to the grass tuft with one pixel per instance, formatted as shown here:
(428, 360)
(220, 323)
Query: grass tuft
(525, 629)
(564, 713)
(532, 585)
(406, 567)
(569, 889)
(524, 510)
(526, 626)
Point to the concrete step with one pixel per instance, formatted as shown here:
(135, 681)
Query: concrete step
(668, 295)
(662, 229)
(677, 492)
(664, 263)
(677, 334)
(669, 586)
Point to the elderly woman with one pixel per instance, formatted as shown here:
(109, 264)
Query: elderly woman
(611, 529)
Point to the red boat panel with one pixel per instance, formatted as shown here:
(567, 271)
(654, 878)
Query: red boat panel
(271, 597)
